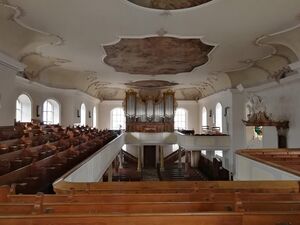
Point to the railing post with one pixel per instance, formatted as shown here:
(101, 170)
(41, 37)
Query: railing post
(179, 158)
(139, 166)
(161, 152)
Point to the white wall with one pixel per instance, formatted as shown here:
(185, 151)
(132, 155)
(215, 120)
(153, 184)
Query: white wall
(7, 106)
(11, 86)
(210, 102)
(104, 110)
(248, 169)
(193, 112)
(69, 100)
(8, 69)
(234, 101)
(283, 101)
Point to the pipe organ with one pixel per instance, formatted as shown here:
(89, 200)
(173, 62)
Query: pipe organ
(149, 113)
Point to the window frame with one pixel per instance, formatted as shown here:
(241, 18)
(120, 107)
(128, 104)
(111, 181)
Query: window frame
(23, 111)
(117, 118)
(82, 114)
(204, 109)
(219, 116)
(53, 112)
(94, 117)
(178, 119)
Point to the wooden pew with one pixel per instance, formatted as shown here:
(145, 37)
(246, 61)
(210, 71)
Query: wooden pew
(258, 203)
(155, 197)
(17, 167)
(62, 187)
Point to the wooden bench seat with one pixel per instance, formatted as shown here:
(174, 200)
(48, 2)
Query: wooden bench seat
(209, 203)
(157, 197)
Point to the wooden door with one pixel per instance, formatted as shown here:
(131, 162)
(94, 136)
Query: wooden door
(149, 156)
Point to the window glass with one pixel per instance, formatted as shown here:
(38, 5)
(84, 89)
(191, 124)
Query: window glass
(219, 116)
(23, 109)
(94, 117)
(117, 119)
(180, 119)
(50, 112)
(82, 115)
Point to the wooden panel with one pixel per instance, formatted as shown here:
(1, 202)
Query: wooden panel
(134, 219)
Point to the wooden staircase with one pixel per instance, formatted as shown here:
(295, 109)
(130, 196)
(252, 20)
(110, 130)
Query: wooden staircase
(173, 157)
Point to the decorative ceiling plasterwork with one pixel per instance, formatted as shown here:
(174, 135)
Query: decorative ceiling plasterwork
(157, 55)
(272, 67)
(111, 94)
(33, 40)
(95, 82)
(28, 33)
(169, 4)
(151, 84)
(37, 64)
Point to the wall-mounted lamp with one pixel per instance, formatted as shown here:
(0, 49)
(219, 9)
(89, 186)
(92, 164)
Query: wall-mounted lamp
(78, 113)
(226, 111)
(210, 113)
(37, 111)
(90, 114)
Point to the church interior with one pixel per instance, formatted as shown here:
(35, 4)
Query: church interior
(144, 112)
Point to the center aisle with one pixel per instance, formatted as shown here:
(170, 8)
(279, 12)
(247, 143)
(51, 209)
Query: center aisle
(150, 175)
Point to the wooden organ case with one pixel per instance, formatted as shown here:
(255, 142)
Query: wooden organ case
(149, 113)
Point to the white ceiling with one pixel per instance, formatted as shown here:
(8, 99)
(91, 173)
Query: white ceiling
(61, 40)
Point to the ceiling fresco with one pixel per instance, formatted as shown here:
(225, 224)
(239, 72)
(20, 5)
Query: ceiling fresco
(119, 46)
(157, 55)
(169, 4)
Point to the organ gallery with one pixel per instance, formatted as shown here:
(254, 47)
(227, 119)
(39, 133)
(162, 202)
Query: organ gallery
(150, 113)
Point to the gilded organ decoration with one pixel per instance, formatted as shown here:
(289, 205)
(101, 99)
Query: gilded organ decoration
(153, 112)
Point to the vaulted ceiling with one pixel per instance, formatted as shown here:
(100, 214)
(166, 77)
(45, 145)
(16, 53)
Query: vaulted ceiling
(196, 47)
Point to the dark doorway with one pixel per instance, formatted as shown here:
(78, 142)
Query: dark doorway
(149, 156)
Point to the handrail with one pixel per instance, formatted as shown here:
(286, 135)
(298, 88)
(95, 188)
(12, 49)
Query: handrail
(119, 140)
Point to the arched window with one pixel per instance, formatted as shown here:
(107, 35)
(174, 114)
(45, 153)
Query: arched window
(219, 153)
(94, 117)
(219, 116)
(50, 112)
(23, 109)
(180, 119)
(204, 117)
(117, 118)
(82, 115)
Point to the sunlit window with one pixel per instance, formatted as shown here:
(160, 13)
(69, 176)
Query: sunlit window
(219, 116)
(82, 115)
(203, 152)
(117, 118)
(180, 119)
(50, 112)
(94, 117)
(219, 153)
(23, 109)
(204, 117)
(18, 111)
